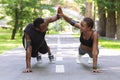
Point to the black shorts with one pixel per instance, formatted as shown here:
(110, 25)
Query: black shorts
(43, 48)
(83, 52)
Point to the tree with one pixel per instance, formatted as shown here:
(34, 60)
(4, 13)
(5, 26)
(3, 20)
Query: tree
(111, 20)
(118, 18)
(102, 18)
(118, 25)
(81, 5)
(89, 8)
(23, 12)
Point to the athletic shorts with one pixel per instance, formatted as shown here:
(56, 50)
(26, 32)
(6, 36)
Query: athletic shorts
(42, 49)
(83, 52)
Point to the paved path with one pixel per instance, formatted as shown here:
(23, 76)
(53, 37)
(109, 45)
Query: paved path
(65, 49)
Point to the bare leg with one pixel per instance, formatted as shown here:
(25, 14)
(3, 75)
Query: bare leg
(39, 58)
(49, 52)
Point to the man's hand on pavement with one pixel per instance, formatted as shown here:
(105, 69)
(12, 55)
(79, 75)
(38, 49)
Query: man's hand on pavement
(27, 70)
(96, 71)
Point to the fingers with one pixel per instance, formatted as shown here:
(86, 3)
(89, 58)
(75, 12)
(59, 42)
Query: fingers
(27, 71)
(59, 9)
(59, 6)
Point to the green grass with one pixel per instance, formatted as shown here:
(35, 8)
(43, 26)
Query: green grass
(106, 43)
(6, 43)
(111, 44)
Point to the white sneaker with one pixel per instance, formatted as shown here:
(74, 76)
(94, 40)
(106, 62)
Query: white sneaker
(90, 60)
(78, 60)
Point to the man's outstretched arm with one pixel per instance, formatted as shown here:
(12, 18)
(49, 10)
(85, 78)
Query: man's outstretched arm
(53, 18)
(28, 54)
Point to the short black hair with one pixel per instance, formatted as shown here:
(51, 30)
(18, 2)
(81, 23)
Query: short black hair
(89, 22)
(38, 21)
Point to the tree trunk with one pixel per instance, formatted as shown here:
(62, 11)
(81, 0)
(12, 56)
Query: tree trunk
(111, 25)
(118, 25)
(13, 34)
(21, 28)
(21, 21)
(16, 24)
(111, 20)
(89, 8)
(101, 27)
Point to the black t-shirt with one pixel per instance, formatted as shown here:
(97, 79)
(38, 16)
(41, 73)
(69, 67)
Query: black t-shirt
(36, 37)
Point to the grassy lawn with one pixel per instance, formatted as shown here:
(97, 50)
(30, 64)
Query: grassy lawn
(111, 44)
(106, 43)
(6, 43)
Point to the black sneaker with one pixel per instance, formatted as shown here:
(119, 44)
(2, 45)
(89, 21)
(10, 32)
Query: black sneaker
(51, 58)
(39, 59)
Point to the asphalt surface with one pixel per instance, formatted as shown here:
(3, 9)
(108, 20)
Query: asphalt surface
(65, 49)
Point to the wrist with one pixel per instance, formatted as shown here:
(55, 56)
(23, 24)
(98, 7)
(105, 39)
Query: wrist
(58, 16)
(94, 67)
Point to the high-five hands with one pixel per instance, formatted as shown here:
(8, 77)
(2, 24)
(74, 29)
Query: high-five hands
(60, 12)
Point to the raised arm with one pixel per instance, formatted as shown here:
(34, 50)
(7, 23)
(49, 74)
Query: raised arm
(53, 18)
(69, 20)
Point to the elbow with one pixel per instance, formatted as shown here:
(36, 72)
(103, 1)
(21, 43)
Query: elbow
(95, 53)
